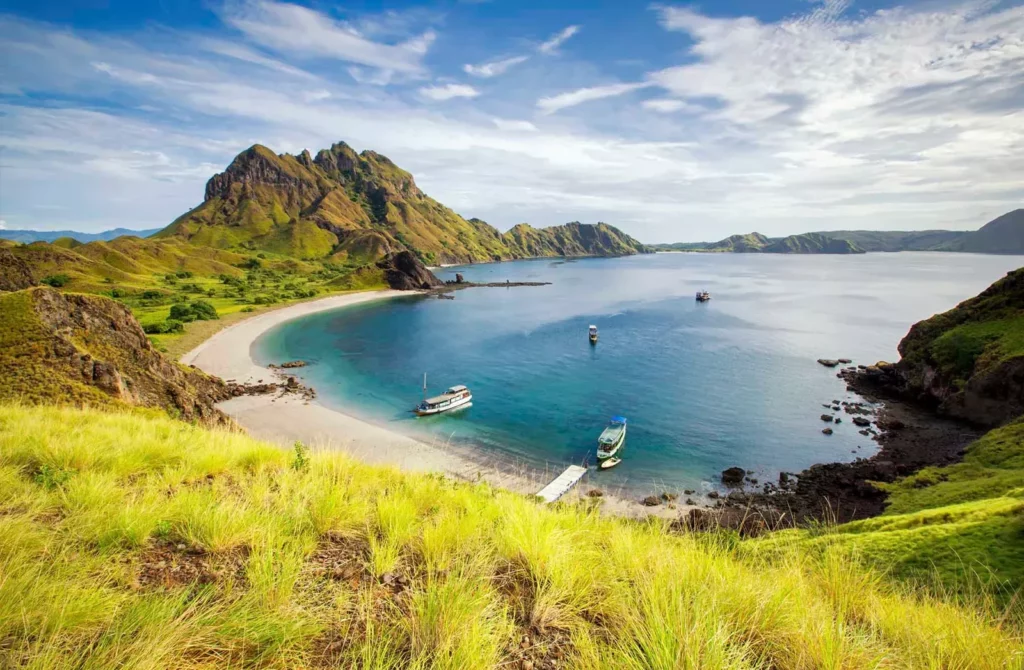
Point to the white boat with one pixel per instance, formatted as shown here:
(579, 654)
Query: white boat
(612, 438)
(703, 296)
(609, 463)
(593, 334)
(453, 398)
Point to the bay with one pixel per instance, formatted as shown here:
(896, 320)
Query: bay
(705, 386)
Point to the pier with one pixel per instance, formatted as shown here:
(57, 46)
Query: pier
(561, 484)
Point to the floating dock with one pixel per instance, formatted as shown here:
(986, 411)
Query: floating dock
(561, 484)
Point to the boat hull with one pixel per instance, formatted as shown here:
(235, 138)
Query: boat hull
(455, 404)
(609, 451)
(609, 463)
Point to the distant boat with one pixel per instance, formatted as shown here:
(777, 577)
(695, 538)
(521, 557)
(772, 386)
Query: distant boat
(593, 334)
(612, 438)
(454, 398)
(703, 296)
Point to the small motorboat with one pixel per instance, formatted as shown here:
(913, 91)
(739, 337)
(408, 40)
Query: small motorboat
(703, 296)
(593, 335)
(612, 438)
(609, 463)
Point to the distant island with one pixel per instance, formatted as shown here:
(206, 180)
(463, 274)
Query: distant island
(1004, 235)
(30, 236)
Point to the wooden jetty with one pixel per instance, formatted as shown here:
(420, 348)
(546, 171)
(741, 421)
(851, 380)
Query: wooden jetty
(562, 483)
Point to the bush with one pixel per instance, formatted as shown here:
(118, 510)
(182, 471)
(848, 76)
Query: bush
(56, 281)
(182, 313)
(184, 274)
(152, 295)
(163, 327)
(251, 264)
(204, 311)
(171, 279)
(117, 293)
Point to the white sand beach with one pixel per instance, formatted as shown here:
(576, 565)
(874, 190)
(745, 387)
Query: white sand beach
(284, 419)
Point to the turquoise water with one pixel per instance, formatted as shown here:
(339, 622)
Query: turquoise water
(704, 386)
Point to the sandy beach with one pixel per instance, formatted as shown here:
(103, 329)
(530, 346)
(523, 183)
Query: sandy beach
(289, 418)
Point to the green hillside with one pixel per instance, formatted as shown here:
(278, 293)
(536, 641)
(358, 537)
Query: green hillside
(1003, 235)
(970, 360)
(142, 542)
(358, 207)
(811, 243)
(896, 240)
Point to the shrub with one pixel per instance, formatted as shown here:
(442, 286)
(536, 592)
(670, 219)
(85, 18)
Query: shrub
(117, 293)
(251, 264)
(204, 311)
(152, 295)
(182, 313)
(184, 274)
(163, 327)
(170, 279)
(56, 281)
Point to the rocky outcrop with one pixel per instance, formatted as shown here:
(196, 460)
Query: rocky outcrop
(404, 272)
(80, 349)
(15, 273)
(968, 362)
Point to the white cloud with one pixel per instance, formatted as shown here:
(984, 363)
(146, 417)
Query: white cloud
(513, 125)
(3, 225)
(243, 53)
(665, 105)
(554, 103)
(555, 41)
(493, 68)
(316, 96)
(449, 91)
(298, 30)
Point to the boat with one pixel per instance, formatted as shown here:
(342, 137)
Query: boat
(454, 398)
(612, 438)
(609, 463)
(703, 296)
(593, 334)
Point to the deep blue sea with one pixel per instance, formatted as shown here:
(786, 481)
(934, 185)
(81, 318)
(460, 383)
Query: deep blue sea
(704, 386)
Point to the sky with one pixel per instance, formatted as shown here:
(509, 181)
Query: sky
(675, 122)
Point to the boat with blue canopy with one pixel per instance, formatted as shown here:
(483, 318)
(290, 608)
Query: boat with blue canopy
(612, 438)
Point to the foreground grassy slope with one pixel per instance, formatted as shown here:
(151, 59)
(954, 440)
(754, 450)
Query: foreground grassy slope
(958, 527)
(134, 541)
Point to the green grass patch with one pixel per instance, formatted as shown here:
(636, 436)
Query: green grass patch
(132, 541)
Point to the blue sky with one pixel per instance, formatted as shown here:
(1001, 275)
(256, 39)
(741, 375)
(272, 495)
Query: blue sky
(673, 121)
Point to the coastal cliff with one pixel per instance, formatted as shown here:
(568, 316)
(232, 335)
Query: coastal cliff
(88, 350)
(969, 362)
(359, 208)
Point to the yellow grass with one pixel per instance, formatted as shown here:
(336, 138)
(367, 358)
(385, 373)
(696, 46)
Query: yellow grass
(131, 540)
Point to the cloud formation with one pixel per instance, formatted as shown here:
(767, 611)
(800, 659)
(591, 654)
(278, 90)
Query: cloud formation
(551, 45)
(579, 96)
(300, 31)
(493, 68)
(449, 91)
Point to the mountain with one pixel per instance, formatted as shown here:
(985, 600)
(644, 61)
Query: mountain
(29, 236)
(808, 243)
(85, 349)
(357, 208)
(1004, 235)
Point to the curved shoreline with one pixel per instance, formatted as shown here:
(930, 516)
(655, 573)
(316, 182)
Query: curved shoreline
(290, 418)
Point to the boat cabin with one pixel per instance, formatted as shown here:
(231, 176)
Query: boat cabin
(453, 397)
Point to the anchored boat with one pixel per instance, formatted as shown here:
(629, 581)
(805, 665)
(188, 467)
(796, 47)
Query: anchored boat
(703, 296)
(453, 398)
(611, 440)
(593, 334)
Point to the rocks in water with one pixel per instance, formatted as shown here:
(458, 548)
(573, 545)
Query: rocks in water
(891, 425)
(714, 495)
(689, 501)
(828, 362)
(844, 361)
(838, 420)
(294, 364)
(827, 417)
(861, 421)
(651, 501)
(595, 493)
(688, 492)
(669, 497)
(827, 431)
(733, 476)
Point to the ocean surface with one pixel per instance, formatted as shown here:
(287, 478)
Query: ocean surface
(704, 386)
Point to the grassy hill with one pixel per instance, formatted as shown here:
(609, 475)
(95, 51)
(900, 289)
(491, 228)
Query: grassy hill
(29, 236)
(358, 207)
(138, 541)
(897, 240)
(970, 360)
(808, 243)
